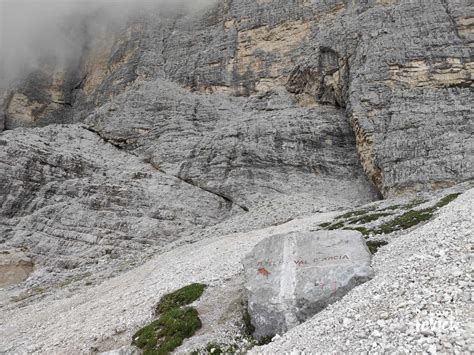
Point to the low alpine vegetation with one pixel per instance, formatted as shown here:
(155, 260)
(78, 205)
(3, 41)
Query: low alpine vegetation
(175, 322)
(181, 297)
(374, 245)
(165, 334)
(413, 217)
(404, 221)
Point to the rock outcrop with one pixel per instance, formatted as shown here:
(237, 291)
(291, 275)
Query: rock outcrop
(241, 107)
(15, 267)
(71, 199)
(395, 76)
(290, 278)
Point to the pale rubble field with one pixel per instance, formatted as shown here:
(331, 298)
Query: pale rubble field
(419, 300)
(112, 311)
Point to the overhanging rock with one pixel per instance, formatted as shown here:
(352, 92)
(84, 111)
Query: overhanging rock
(291, 277)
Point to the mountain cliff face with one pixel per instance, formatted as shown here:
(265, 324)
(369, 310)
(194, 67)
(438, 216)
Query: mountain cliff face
(253, 112)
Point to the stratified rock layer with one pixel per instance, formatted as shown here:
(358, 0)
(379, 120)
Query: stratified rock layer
(291, 277)
(400, 71)
(72, 200)
(238, 109)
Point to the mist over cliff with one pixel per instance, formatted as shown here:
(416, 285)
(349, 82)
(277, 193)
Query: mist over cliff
(34, 33)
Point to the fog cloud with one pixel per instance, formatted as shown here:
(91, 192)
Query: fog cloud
(35, 31)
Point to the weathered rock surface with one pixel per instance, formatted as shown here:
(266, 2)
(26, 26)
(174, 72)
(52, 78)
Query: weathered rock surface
(425, 272)
(419, 300)
(72, 200)
(291, 277)
(15, 267)
(241, 116)
(397, 70)
(176, 128)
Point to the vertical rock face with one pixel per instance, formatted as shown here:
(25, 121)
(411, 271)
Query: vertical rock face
(72, 200)
(289, 278)
(400, 71)
(246, 105)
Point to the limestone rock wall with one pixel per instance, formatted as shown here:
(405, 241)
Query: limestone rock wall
(179, 122)
(401, 69)
(73, 200)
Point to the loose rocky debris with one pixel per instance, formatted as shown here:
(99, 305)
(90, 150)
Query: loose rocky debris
(419, 301)
(105, 316)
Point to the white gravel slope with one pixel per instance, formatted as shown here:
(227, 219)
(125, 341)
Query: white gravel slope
(104, 317)
(421, 288)
(419, 301)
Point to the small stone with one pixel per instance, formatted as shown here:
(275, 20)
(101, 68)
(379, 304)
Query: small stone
(376, 334)
(346, 322)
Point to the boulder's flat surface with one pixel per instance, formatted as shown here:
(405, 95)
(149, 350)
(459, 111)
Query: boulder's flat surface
(291, 277)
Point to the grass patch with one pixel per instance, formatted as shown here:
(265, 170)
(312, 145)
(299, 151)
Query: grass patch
(352, 214)
(391, 208)
(408, 206)
(360, 219)
(407, 220)
(413, 204)
(413, 217)
(446, 200)
(363, 230)
(247, 321)
(175, 322)
(404, 221)
(374, 245)
(368, 218)
(334, 226)
(181, 297)
(165, 334)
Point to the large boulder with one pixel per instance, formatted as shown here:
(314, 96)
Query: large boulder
(291, 277)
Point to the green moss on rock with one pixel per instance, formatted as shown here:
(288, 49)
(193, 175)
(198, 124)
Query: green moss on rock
(407, 220)
(413, 217)
(334, 226)
(404, 221)
(174, 324)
